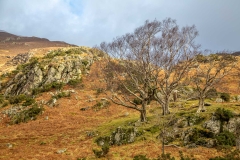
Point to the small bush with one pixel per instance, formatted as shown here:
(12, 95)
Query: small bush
(100, 105)
(153, 129)
(2, 99)
(140, 157)
(4, 104)
(48, 87)
(223, 114)
(26, 115)
(212, 93)
(74, 82)
(28, 102)
(17, 99)
(99, 91)
(137, 101)
(85, 62)
(103, 152)
(61, 95)
(182, 157)
(57, 85)
(226, 138)
(197, 133)
(225, 97)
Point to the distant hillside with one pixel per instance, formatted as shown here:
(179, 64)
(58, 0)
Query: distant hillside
(11, 44)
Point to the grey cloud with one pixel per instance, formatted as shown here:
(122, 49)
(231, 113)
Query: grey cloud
(89, 22)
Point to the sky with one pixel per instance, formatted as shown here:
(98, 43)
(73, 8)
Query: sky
(90, 22)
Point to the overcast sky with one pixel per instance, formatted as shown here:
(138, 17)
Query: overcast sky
(89, 22)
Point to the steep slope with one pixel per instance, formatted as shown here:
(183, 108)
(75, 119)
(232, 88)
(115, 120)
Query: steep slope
(75, 115)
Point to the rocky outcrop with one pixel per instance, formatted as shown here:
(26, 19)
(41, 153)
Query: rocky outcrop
(37, 73)
(214, 125)
(19, 59)
(120, 136)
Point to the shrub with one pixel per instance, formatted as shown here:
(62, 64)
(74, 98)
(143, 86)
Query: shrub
(4, 104)
(153, 129)
(26, 115)
(140, 157)
(103, 152)
(57, 85)
(100, 105)
(2, 98)
(48, 87)
(226, 138)
(211, 93)
(85, 62)
(99, 90)
(182, 157)
(137, 101)
(223, 115)
(166, 156)
(198, 135)
(17, 99)
(74, 82)
(61, 95)
(28, 102)
(225, 97)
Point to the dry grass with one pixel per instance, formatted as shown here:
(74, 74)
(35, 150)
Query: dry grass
(67, 125)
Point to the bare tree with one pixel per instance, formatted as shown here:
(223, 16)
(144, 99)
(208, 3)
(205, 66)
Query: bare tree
(149, 64)
(209, 71)
(176, 50)
(130, 68)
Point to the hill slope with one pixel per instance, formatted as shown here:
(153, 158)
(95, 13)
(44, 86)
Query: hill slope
(76, 114)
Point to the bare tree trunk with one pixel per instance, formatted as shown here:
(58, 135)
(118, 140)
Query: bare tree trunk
(201, 107)
(143, 117)
(175, 95)
(163, 145)
(166, 106)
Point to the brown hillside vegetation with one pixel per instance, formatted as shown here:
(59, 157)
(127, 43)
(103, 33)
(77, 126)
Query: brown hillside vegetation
(69, 129)
(65, 127)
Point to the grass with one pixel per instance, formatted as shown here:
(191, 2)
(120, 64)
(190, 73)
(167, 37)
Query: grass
(108, 127)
